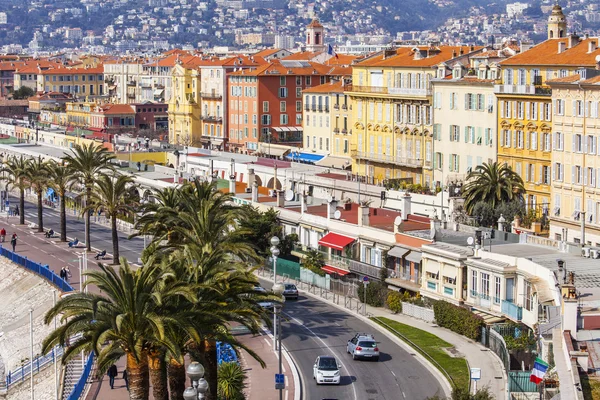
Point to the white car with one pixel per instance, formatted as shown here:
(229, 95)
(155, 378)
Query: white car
(326, 370)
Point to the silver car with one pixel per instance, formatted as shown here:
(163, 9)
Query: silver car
(290, 291)
(363, 346)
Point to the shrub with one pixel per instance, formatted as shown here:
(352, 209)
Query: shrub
(394, 301)
(230, 381)
(458, 319)
(376, 294)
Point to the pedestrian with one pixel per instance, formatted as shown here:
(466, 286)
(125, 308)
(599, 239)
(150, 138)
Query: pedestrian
(67, 274)
(112, 373)
(2, 234)
(126, 378)
(17, 210)
(13, 241)
(63, 274)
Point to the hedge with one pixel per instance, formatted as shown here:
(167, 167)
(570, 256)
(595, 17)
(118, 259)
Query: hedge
(458, 319)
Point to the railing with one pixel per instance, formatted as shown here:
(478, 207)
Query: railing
(344, 131)
(39, 362)
(344, 107)
(364, 269)
(514, 89)
(410, 91)
(368, 89)
(39, 269)
(211, 95)
(336, 130)
(80, 385)
(211, 118)
(512, 310)
(409, 162)
(336, 106)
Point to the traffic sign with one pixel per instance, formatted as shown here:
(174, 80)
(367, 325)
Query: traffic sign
(475, 374)
(279, 381)
(365, 280)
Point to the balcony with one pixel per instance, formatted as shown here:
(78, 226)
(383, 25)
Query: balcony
(336, 130)
(480, 300)
(131, 95)
(368, 89)
(410, 91)
(306, 107)
(333, 260)
(514, 89)
(336, 106)
(211, 118)
(407, 281)
(344, 107)
(382, 158)
(512, 311)
(131, 83)
(344, 131)
(364, 269)
(212, 95)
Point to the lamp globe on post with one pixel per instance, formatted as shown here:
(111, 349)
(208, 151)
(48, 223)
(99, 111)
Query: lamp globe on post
(196, 373)
(190, 394)
(274, 241)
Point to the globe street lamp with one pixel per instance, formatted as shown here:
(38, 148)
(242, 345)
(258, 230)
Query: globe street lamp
(278, 291)
(275, 253)
(200, 386)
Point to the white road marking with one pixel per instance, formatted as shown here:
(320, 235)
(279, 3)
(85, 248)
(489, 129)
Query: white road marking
(324, 344)
(268, 342)
(393, 373)
(403, 395)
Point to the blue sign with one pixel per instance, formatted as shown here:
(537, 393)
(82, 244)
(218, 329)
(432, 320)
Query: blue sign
(365, 279)
(279, 381)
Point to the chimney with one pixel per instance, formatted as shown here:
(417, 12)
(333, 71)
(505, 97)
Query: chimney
(274, 176)
(592, 45)
(281, 198)
(363, 215)
(303, 207)
(573, 40)
(255, 192)
(435, 225)
(251, 177)
(562, 272)
(406, 206)
(232, 177)
(331, 208)
(562, 46)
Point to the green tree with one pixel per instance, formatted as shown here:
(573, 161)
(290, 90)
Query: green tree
(86, 163)
(494, 184)
(16, 168)
(38, 177)
(231, 383)
(23, 93)
(314, 261)
(112, 195)
(60, 180)
(259, 227)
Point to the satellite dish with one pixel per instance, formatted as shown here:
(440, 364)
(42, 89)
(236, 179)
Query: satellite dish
(329, 199)
(289, 195)
(470, 241)
(337, 214)
(398, 220)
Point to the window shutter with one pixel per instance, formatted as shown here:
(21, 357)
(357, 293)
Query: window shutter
(587, 111)
(501, 108)
(554, 142)
(526, 134)
(562, 141)
(514, 142)
(435, 159)
(527, 110)
(450, 162)
(598, 178)
(585, 175)
(526, 172)
(502, 137)
(466, 101)
(451, 133)
(574, 147)
(594, 144)
(554, 169)
(574, 107)
(561, 173)
(593, 182)
(585, 144)
(541, 176)
(573, 174)
(466, 134)
(457, 169)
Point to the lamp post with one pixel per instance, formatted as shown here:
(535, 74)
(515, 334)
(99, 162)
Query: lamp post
(278, 290)
(274, 252)
(199, 385)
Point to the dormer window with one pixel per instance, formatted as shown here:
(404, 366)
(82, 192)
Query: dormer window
(457, 72)
(441, 72)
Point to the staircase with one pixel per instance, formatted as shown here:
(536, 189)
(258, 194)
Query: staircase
(72, 373)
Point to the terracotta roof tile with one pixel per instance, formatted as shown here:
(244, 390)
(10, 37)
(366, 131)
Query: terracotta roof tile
(592, 81)
(546, 53)
(73, 71)
(332, 87)
(117, 109)
(315, 24)
(566, 79)
(426, 57)
(266, 52)
(302, 55)
(276, 68)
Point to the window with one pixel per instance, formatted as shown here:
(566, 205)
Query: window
(534, 110)
(547, 112)
(559, 172)
(577, 144)
(590, 178)
(547, 146)
(454, 133)
(283, 119)
(307, 79)
(528, 296)
(506, 138)
(265, 106)
(265, 119)
(473, 283)
(520, 140)
(497, 289)
(299, 119)
(520, 108)
(485, 285)
(282, 81)
(282, 106)
(545, 175)
(453, 101)
(454, 162)
(590, 144)
(533, 140)
(559, 141)
(298, 106)
(578, 108)
(283, 92)
(576, 172)
(298, 92)
(359, 111)
(560, 107)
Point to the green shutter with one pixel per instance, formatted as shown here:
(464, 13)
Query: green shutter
(466, 134)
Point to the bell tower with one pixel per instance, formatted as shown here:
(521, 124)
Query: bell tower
(557, 23)
(314, 36)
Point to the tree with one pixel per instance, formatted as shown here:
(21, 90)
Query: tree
(314, 261)
(23, 93)
(494, 184)
(259, 227)
(87, 162)
(16, 168)
(112, 195)
(37, 176)
(230, 382)
(60, 181)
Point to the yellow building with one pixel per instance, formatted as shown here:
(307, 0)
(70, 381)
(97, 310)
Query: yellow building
(184, 106)
(525, 108)
(83, 81)
(79, 114)
(391, 117)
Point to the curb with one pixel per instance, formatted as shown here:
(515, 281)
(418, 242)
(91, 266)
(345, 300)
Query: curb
(434, 371)
(298, 383)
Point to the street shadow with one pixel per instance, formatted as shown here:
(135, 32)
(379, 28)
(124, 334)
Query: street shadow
(346, 380)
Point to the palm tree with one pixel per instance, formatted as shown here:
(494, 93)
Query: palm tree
(87, 163)
(231, 381)
(37, 176)
(494, 184)
(112, 195)
(128, 315)
(60, 180)
(17, 168)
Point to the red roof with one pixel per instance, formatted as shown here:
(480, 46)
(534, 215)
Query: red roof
(333, 270)
(335, 241)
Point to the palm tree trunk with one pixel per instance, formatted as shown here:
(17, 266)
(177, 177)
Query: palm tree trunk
(158, 375)
(137, 373)
(88, 241)
(115, 238)
(22, 206)
(210, 368)
(40, 208)
(176, 372)
(63, 219)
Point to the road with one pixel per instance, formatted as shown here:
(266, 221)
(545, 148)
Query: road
(314, 328)
(100, 235)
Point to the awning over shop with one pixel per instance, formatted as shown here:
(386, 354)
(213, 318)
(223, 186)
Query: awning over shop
(335, 241)
(304, 157)
(333, 270)
(277, 150)
(398, 251)
(335, 162)
(414, 256)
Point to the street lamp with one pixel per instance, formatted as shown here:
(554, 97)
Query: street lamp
(275, 253)
(278, 291)
(199, 385)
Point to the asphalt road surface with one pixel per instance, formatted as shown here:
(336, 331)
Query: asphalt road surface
(312, 328)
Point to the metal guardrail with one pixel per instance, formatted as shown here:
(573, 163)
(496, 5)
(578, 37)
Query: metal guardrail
(39, 362)
(80, 385)
(419, 349)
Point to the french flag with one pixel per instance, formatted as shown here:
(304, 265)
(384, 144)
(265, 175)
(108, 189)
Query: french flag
(331, 52)
(539, 370)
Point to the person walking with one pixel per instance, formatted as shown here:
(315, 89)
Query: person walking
(17, 210)
(2, 234)
(13, 241)
(67, 274)
(112, 374)
(126, 378)
(63, 274)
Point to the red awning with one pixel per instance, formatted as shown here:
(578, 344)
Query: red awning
(333, 270)
(335, 241)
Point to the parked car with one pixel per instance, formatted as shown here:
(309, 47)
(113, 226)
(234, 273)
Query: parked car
(363, 345)
(326, 370)
(260, 289)
(290, 291)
